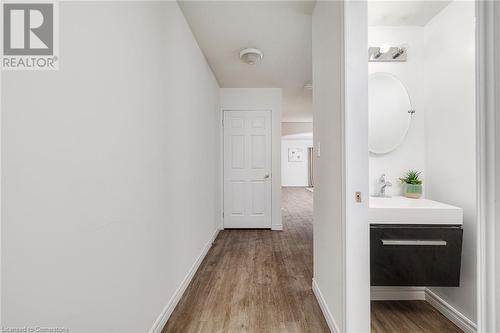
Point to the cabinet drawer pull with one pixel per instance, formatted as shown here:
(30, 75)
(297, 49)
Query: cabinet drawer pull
(418, 242)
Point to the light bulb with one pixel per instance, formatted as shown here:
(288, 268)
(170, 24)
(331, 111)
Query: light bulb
(385, 48)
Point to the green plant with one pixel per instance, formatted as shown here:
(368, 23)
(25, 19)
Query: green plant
(411, 177)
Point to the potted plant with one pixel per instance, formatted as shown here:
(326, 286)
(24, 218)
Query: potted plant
(412, 184)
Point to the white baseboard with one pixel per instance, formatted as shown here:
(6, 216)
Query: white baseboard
(424, 294)
(172, 303)
(330, 320)
(397, 293)
(464, 323)
(277, 227)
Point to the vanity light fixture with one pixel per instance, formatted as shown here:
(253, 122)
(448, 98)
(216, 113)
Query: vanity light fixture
(399, 52)
(385, 48)
(376, 54)
(251, 56)
(387, 53)
(381, 50)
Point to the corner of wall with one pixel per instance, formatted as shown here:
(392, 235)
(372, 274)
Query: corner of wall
(450, 312)
(165, 314)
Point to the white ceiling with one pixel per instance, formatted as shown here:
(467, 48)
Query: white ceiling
(281, 29)
(398, 13)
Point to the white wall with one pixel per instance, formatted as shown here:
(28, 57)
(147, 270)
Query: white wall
(410, 154)
(101, 170)
(450, 133)
(291, 128)
(341, 233)
(295, 173)
(262, 99)
(327, 111)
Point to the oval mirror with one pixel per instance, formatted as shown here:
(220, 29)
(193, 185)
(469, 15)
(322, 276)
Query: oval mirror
(389, 112)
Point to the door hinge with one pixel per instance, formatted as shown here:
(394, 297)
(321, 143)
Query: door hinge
(222, 214)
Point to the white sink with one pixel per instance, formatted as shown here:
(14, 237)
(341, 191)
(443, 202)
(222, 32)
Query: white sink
(402, 210)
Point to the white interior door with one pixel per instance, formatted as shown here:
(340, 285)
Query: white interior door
(247, 169)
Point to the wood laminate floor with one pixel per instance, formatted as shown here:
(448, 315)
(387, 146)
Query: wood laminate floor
(259, 281)
(409, 316)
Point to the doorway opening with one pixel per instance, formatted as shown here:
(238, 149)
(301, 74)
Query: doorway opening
(422, 140)
(297, 180)
(297, 155)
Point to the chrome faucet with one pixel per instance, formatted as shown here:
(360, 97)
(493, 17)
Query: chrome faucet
(383, 183)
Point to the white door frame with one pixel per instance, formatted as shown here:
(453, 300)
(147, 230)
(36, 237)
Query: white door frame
(222, 157)
(487, 161)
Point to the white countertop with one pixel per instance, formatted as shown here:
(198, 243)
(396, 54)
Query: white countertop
(402, 210)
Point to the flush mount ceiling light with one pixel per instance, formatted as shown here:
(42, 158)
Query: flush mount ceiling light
(251, 56)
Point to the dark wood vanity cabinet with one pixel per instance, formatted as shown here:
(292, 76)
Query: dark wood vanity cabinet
(415, 255)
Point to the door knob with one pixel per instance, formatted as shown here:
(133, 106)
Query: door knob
(266, 176)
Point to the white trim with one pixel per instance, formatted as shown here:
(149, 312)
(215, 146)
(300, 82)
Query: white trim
(332, 324)
(464, 323)
(398, 293)
(221, 129)
(355, 167)
(1, 201)
(277, 227)
(172, 303)
(487, 78)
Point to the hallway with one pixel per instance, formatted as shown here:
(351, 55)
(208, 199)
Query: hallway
(256, 280)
